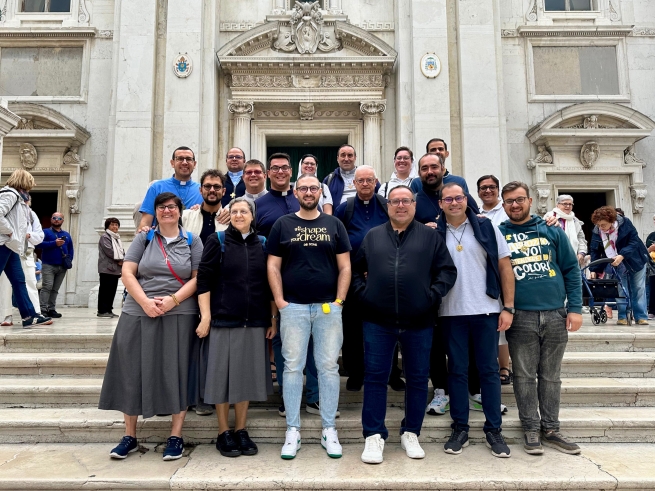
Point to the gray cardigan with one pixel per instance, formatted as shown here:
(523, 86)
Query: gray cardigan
(106, 262)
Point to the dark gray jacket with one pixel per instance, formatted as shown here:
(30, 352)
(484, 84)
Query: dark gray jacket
(106, 262)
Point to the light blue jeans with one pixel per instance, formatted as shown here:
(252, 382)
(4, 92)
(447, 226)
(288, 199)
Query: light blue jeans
(635, 285)
(297, 323)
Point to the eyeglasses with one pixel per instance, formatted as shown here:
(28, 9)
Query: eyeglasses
(449, 200)
(404, 158)
(56, 218)
(253, 173)
(305, 189)
(184, 159)
(209, 187)
(275, 169)
(311, 164)
(368, 180)
(519, 201)
(166, 207)
(239, 212)
(566, 204)
(234, 157)
(492, 187)
(397, 201)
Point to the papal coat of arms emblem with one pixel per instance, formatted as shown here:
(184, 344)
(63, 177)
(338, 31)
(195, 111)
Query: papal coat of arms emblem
(183, 66)
(430, 65)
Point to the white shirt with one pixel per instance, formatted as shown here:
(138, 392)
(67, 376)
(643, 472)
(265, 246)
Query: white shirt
(497, 214)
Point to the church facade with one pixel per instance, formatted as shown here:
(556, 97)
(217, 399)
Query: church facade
(556, 93)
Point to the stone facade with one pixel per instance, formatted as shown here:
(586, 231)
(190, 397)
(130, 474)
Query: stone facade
(561, 100)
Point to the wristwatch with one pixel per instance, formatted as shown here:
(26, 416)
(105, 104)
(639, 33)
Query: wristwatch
(339, 301)
(511, 310)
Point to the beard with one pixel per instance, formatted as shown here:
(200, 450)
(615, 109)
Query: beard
(519, 216)
(436, 185)
(308, 206)
(211, 199)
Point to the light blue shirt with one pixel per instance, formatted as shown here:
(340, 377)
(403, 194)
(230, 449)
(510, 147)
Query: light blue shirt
(187, 191)
(235, 177)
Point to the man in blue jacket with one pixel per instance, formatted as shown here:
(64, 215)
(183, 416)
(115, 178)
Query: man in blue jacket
(437, 146)
(56, 244)
(547, 276)
(341, 182)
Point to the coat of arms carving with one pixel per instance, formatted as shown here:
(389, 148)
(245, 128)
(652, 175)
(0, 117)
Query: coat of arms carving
(306, 31)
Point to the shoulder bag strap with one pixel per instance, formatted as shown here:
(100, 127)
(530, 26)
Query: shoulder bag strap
(168, 262)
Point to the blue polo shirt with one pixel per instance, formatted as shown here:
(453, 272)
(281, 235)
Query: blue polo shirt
(366, 215)
(272, 206)
(187, 191)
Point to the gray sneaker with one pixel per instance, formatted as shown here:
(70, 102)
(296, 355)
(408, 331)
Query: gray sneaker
(203, 409)
(532, 443)
(555, 439)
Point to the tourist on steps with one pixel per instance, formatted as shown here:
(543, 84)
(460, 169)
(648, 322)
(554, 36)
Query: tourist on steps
(110, 263)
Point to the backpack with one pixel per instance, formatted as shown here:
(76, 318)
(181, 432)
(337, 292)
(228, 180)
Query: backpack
(350, 208)
(17, 199)
(151, 234)
(386, 186)
(221, 241)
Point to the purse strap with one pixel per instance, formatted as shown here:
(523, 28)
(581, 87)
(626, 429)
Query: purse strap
(167, 261)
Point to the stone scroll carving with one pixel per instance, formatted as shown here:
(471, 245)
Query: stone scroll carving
(589, 154)
(531, 15)
(638, 194)
(630, 157)
(73, 196)
(83, 14)
(305, 31)
(28, 155)
(370, 108)
(72, 158)
(306, 111)
(543, 157)
(240, 107)
(543, 195)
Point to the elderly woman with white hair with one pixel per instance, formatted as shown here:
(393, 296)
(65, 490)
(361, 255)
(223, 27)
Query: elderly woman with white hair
(571, 225)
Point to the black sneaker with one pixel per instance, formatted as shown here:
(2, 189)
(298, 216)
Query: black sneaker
(127, 445)
(282, 410)
(314, 408)
(532, 443)
(246, 445)
(457, 441)
(226, 445)
(555, 439)
(37, 320)
(174, 448)
(354, 384)
(496, 443)
(397, 384)
(54, 314)
(106, 315)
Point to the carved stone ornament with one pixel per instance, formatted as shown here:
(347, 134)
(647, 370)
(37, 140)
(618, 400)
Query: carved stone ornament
(638, 194)
(589, 154)
(28, 155)
(531, 16)
(543, 194)
(73, 196)
(261, 81)
(72, 158)
(306, 111)
(372, 108)
(543, 157)
(182, 66)
(614, 15)
(630, 157)
(240, 107)
(83, 14)
(591, 122)
(305, 31)
(25, 124)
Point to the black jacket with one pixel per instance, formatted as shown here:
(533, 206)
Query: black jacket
(408, 275)
(240, 295)
(229, 189)
(628, 245)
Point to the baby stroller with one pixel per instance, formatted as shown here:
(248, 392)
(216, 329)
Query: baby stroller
(604, 292)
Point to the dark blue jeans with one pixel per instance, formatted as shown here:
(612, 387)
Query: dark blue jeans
(10, 264)
(482, 332)
(311, 382)
(379, 345)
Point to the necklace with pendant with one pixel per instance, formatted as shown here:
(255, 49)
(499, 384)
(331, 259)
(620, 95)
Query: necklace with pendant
(459, 247)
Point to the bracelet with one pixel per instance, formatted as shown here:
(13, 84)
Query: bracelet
(177, 302)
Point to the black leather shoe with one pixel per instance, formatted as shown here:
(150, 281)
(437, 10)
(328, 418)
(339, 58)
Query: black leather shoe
(54, 314)
(397, 384)
(354, 384)
(226, 445)
(246, 445)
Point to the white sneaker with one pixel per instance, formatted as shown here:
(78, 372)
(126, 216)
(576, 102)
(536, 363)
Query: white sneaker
(291, 444)
(439, 404)
(409, 443)
(373, 449)
(475, 402)
(503, 409)
(330, 442)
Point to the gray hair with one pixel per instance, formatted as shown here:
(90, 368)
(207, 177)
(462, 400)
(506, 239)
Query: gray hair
(251, 207)
(564, 197)
(366, 167)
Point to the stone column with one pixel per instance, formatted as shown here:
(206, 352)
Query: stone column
(372, 140)
(241, 116)
(8, 121)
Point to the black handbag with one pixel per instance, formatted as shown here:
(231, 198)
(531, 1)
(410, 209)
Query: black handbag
(66, 259)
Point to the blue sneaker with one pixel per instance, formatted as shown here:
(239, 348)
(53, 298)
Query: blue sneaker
(37, 320)
(174, 448)
(127, 445)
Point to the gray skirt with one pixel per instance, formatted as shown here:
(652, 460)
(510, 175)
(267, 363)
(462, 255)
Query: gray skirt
(151, 366)
(238, 367)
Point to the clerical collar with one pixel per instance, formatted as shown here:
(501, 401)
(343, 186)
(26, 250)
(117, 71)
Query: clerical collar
(177, 181)
(235, 174)
(257, 195)
(348, 173)
(280, 193)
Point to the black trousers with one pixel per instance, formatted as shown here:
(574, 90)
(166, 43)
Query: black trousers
(107, 292)
(651, 303)
(439, 364)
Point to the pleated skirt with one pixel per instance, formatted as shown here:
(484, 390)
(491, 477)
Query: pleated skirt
(152, 367)
(238, 367)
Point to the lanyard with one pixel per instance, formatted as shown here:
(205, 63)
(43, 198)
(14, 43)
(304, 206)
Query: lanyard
(167, 261)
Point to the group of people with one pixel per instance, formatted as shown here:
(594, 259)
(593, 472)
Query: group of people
(413, 262)
(29, 283)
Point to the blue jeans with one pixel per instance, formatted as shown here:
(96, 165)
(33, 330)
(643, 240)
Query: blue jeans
(11, 266)
(297, 323)
(635, 285)
(311, 382)
(482, 331)
(537, 341)
(379, 345)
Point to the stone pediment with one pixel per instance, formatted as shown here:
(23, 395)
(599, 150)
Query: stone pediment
(37, 121)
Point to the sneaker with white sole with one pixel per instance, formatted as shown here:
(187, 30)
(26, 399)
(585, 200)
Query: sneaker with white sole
(440, 403)
(496, 442)
(475, 402)
(373, 449)
(37, 320)
(409, 443)
(291, 444)
(555, 439)
(315, 408)
(330, 442)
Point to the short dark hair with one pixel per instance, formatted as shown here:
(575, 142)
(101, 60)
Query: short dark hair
(305, 176)
(183, 148)
(402, 186)
(452, 185)
(253, 162)
(606, 213)
(513, 186)
(164, 197)
(347, 145)
(278, 155)
(427, 146)
(488, 176)
(111, 220)
(212, 173)
(302, 159)
(243, 154)
(404, 149)
(430, 155)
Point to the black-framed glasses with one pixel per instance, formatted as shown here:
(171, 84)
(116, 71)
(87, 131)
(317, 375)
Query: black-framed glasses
(275, 169)
(519, 201)
(234, 157)
(449, 200)
(305, 189)
(209, 187)
(397, 201)
(166, 207)
(491, 187)
(255, 172)
(185, 159)
(368, 180)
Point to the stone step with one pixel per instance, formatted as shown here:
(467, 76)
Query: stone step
(575, 364)
(88, 466)
(91, 425)
(588, 391)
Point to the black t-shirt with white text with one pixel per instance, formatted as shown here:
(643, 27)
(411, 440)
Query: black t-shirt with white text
(308, 249)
